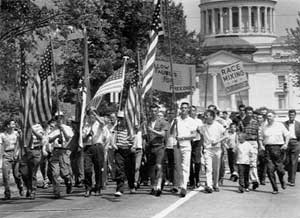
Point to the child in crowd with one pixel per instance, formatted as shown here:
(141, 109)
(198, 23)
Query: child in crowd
(244, 162)
(230, 144)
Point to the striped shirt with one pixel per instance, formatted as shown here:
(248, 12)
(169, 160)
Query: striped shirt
(122, 138)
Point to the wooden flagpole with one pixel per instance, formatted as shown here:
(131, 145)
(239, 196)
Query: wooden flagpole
(170, 57)
(54, 75)
(123, 75)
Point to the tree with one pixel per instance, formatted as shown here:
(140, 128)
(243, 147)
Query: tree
(294, 43)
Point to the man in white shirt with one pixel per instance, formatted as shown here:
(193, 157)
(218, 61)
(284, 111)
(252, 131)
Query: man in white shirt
(185, 128)
(275, 140)
(213, 134)
(196, 151)
(95, 137)
(59, 160)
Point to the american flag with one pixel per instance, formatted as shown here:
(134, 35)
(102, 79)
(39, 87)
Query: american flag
(25, 93)
(156, 31)
(132, 106)
(41, 102)
(114, 83)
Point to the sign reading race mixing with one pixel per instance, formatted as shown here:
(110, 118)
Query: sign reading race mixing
(184, 77)
(234, 78)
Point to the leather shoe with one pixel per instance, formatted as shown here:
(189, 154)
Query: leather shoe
(291, 184)
(183, 193)
(283, 185)
(87, 193)
(157, 192)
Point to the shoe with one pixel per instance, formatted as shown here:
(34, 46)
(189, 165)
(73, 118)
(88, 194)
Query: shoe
(157, 192)
(69, 188)
(27, 194)
(32, 196)
(45, 185)
(57, 195)
(291, 184)
(174, 190)
(118, 194)
(221, 182)
(98, 192)
(78, 185)
(255, 185)
(275, 192)
(208, 190)
(21, 191)
(200, 188)
(87, 193)
(7, 195)
(247, 190)
(216, 189)
(198, 184)
(183, 192)
(132, 191)
(152, 192)
(283, 185)
(241, 190)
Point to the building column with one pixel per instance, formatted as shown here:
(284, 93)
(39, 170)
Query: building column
(206, 22)
(233, 102)
(249, 19)
(215, 88)
(202, 28)
(273, 18)
(230, 19)
(266, 19)
(240, 19)
(213, 21)
(221, 21)
(258, 19)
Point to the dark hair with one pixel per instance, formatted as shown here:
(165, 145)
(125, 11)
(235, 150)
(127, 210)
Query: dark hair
(225, 112)
(232, 124)
(248, 108)
(292, 111)
(194, 107)
(211, 113)
(186, 103)
(217, 112)
(241, 106)
(154, 106)
(212, 105)
(7, 122)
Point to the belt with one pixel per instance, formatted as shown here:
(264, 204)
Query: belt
(59, 148)
(273, 145)
(9, 150)
(36, 148)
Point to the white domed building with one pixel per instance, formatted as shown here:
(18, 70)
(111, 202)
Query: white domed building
(244, 30)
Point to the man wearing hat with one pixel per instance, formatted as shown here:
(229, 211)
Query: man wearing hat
(59, 161)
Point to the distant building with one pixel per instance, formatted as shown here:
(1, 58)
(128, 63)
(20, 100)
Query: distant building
(244, 30)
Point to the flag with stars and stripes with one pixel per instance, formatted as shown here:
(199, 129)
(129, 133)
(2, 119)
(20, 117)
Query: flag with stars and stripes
(41, 101)
(25, 92)
(156, 31)
(132, 108)
(114, 83)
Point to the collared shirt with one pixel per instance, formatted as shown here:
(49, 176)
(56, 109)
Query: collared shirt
(61, 141)
(292, 130)
(251, 130)
(171, 140)
(274, 134)
(159, 125)
(97, 134)
(185, 128)
(244, 153)
(35, 140)
(8, 141)
(212, 132)
(199, 123)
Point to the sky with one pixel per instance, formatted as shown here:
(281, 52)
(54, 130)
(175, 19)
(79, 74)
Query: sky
(286, 14)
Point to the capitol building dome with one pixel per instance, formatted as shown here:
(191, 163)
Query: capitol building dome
(251, 20)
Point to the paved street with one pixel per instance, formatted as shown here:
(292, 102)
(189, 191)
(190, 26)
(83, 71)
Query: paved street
(226, 204)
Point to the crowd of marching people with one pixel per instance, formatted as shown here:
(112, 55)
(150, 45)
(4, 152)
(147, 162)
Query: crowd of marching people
(174, 149)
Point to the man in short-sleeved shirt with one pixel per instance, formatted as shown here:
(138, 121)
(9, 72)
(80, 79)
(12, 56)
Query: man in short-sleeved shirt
(157, 129)
(185, 128)
(213, 133)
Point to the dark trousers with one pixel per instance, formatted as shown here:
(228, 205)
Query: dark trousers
(44, 168)
(77, 165)
(93, 158)
(169, 165)
(195, 165)
(155, 161)
(29, 166)
(222, 166)
(243, 171)
(59, 165)
(292, 155)
(275, 159)
(231, 159)
(261, 166)
(125, 168)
